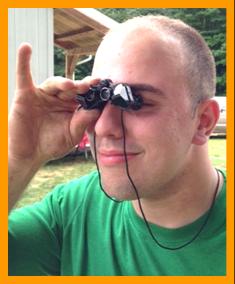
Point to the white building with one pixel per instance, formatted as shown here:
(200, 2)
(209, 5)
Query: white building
(36, 27)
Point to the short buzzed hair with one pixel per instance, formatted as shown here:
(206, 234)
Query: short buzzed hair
(199, 63)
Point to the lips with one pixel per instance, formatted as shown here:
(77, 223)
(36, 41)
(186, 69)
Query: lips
(113, 157)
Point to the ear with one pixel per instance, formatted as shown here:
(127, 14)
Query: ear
(207, 116)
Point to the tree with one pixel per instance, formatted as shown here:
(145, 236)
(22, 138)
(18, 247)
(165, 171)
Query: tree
(211, 23)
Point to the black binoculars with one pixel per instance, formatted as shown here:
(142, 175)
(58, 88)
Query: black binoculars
(119, 95)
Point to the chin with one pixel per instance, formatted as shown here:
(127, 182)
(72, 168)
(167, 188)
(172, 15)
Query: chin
(119, 189)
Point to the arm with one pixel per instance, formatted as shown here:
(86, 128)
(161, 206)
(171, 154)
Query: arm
(43, 122)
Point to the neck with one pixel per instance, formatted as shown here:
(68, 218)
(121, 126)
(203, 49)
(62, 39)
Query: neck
(187, 197)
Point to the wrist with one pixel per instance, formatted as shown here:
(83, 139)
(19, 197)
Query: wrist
(20, 173)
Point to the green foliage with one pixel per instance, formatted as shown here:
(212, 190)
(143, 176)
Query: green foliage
(211, 23)
(59, 59)
(83, 70)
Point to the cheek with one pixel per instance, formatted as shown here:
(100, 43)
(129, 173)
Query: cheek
(163, 133)
(149, 134)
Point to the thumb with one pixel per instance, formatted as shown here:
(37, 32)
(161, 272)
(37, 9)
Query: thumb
(81, 120)
(23, 73)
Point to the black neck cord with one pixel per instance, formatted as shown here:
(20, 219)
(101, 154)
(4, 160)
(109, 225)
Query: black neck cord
(98, 169)
(138, 198)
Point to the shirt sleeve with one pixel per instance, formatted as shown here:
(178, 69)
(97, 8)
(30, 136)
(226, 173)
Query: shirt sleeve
(35, 238)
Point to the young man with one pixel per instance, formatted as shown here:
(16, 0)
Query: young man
(163, 211)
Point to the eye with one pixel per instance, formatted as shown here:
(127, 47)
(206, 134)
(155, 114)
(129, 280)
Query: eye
(148, 104)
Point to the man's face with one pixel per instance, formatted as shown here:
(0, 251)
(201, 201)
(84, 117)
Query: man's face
(159, 135)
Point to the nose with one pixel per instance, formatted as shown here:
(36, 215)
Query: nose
(109, 123)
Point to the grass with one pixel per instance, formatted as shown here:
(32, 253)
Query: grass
(217, 152)
(69, 168)
(54, 173)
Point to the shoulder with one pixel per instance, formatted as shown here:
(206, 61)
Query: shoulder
(62, 202)
(223, 172)
(224, 179)
(72, 195)
(77, 187)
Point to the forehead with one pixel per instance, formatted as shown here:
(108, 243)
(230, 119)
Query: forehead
(135, 53)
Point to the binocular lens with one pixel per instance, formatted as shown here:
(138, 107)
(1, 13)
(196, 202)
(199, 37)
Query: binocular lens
(90, 96)
(105, 94)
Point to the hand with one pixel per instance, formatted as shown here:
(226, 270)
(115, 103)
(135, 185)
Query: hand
(43, 122)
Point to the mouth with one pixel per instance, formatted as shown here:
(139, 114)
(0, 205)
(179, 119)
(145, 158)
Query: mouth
(112, 158)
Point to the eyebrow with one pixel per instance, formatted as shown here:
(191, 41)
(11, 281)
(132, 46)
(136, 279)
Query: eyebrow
(146, 87)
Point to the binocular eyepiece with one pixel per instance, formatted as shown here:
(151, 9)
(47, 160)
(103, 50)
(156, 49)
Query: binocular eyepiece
(119, 95)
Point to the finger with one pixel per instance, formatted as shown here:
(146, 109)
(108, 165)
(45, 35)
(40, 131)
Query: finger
(80, 121)
(83, 85)
(54, 85)
(66, 89)
(23, 73)
(68, 95)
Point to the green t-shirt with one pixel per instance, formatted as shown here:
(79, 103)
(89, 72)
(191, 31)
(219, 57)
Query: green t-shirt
(77, 230)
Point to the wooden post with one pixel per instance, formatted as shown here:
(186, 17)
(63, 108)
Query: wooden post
(70, 64)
